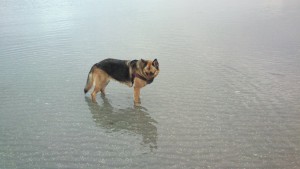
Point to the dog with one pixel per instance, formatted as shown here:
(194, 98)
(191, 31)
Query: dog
(137, 73)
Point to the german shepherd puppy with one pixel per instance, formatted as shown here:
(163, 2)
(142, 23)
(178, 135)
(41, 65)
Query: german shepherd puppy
(130, 72)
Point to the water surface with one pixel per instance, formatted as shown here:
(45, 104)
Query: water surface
(227, 95)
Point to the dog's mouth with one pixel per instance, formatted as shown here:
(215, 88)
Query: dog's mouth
(149, 74)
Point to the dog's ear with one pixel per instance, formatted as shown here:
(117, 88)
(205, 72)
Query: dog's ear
(133, 64)
(144, 61)
(155, 64)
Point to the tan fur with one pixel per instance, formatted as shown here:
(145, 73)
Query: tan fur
(149, 64)
(138, 84)
(89, 83)
(101, 80)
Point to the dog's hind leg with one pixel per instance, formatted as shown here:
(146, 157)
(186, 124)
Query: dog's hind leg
(101, 79)
(97, 87)
(104, 86)
(94, 93)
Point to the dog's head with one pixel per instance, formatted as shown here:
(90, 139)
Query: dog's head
(150, 68)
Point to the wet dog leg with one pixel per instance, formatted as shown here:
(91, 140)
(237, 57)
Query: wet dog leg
(97, 87)
(137, 100)
(96, 90)
(103, 87)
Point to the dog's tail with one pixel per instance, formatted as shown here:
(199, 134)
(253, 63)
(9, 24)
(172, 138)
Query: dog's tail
(89, 81)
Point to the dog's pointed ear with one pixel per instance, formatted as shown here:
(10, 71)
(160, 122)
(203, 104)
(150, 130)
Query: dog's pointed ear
(133, 63)
(144, 61)
(155, 64)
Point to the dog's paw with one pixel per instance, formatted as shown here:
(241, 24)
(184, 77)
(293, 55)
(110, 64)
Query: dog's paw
(137, 104)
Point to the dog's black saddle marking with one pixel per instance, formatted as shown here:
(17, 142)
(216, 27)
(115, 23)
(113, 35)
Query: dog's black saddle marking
(117, 69)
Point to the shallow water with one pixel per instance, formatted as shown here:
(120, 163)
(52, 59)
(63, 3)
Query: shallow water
(227, 95)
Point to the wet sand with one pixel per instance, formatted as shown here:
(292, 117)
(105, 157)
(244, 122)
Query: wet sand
(227, 95)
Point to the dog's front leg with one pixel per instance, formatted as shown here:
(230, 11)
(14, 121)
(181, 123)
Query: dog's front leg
(137, 100)
(138, 84)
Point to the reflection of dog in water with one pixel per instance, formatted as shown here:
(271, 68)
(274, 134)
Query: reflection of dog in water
(130, 119)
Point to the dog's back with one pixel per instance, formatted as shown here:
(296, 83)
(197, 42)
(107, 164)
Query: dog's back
(117, 69)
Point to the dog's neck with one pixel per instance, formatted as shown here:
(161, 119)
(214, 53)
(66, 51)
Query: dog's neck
(136, 75)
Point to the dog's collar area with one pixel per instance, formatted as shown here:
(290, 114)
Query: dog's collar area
(142, 78)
